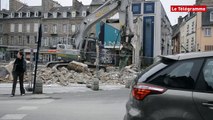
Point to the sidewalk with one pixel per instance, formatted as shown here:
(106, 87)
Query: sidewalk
(5, 88)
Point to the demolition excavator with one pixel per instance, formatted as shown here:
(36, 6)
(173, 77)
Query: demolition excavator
(83, 47)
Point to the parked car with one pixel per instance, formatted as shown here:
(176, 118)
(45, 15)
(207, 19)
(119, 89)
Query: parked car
(178, 87)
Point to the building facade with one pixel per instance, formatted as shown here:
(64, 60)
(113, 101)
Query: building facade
(205, 30)
(194, 32)
(153, 29)
(204, 27)
(188, 41)
(19, 27)
(176, 36)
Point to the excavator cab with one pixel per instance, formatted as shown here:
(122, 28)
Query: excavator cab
(89, 50)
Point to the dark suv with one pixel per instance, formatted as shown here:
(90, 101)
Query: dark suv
(178, 87)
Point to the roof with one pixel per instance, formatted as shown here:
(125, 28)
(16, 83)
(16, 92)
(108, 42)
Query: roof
(68, 9)
(61, 9)
(175, 29)
(5, 11)
(97, 2)
(185, 56)
(30, 8)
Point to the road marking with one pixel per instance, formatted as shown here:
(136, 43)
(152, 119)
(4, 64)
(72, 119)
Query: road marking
(27, 102)
(28, 108)
(13, 116)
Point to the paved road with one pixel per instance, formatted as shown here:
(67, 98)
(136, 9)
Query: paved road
(86, 105)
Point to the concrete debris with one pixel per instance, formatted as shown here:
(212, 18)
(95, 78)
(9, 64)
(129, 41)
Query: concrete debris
(4, 74)
(80, 73)
(64, 76)
(9, 68)
(77, 66)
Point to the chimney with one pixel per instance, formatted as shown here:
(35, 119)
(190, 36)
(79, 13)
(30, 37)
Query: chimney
(49, 4)
(76, 4)
(14, 5)
(180, 19)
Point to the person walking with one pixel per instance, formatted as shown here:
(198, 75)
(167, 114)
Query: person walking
(19, 68)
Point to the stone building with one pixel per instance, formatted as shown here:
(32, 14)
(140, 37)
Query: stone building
(19, 27)
(204, 26)
(188, 41)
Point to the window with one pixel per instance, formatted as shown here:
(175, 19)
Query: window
(19, 27)
(12, 40)
(1, 27)
(46, 42)
(211, 16)
(12, 15)
(192, 40)
(84, 13)
(28, 28)
(36, 14)
(20, 14)
(54, 28)
(136, 8)
(149, 8)
(1, 15)
(177, 76)
(55, 15)
(193, 24)
(54, 41)
(28, 39)
(45, 28)
(64, 28)
(19, 40)
(35, 27)
(12, 27)
(64, 14)
(1, 40)
(208, 47)
(148, 72)
(45, 15)
(74, 14)
(207, 75)
(187, 29)
(73, 28)
(35, 39)
(207, 32)
(28, 14)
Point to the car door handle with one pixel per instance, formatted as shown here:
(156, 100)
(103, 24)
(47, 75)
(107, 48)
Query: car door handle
(208, 104)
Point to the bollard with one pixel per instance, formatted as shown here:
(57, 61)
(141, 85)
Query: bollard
(95, 84)
(128, 83)
(38, 87)
(88, 84)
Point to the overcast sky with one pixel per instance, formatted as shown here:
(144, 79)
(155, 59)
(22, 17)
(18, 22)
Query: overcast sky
(166, 3)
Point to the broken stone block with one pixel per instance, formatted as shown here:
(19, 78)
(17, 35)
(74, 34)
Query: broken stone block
(77, 66)
(4, 73)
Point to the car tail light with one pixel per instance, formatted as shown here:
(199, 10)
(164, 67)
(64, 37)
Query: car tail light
(140, 91)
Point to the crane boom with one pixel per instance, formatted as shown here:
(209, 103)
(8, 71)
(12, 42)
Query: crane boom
(82, 46)
(108, 8)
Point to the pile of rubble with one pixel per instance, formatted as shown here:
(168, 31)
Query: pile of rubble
(75, 74)
(64, 77)
(6, 72)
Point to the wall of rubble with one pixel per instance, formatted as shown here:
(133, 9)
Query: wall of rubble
(64, 77)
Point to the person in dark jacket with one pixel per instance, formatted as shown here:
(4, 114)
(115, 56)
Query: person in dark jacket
(19, 68)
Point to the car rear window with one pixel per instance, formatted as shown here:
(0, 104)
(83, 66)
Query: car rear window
(154, 68)
(181, 75)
